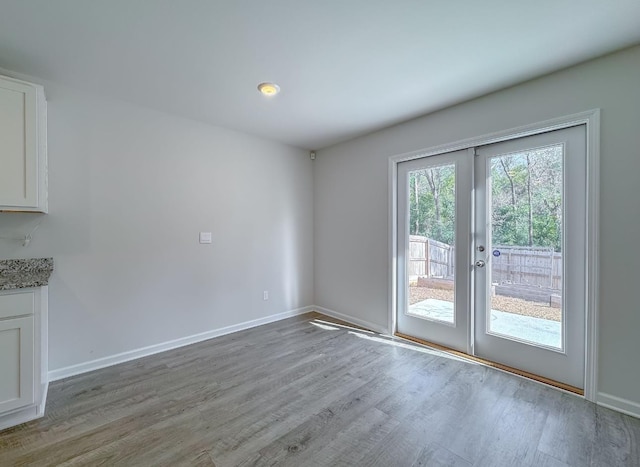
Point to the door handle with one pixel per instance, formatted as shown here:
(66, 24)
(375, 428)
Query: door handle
(480, 263)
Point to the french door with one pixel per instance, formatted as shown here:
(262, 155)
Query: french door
(491, 252)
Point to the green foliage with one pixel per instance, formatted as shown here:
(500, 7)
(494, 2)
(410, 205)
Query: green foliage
(529, 212)
(526, 200)
(432, 203)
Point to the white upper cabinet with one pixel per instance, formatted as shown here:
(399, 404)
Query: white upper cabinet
(23, 146)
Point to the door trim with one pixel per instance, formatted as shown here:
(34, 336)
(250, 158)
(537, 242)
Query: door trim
(591, 119)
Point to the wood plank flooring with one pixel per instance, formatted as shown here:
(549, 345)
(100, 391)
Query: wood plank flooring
(306, 392)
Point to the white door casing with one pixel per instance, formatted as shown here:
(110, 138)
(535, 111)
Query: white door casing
(589, 280)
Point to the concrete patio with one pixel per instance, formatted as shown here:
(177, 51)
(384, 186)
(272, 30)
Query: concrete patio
(536, 330)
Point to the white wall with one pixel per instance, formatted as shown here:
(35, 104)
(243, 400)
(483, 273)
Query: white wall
(129, 190)
(351, 200)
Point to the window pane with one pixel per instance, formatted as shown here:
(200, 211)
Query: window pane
(432, 243)
(526, 246)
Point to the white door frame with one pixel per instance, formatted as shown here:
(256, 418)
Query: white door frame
(591, 119)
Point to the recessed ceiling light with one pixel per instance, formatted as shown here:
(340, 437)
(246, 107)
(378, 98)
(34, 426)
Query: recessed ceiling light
(269, 89)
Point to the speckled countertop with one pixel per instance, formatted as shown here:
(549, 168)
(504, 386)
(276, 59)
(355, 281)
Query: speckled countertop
(22, 273)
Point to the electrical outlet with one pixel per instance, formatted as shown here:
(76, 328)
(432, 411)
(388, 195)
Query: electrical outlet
(265, 295)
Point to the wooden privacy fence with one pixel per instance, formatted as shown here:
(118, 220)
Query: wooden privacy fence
(531, 266)
(528, 265)
(430, 258)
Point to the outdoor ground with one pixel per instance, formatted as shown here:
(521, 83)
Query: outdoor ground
(508, 304)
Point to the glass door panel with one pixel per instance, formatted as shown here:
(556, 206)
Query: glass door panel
(526, 207)
(434, 200)
(432, 204)
(529, 277)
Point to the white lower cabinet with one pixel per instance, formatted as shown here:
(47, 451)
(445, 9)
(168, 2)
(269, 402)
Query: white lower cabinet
(17, 363)
(23, 355)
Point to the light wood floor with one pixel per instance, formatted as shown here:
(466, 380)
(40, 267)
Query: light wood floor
(302, 393)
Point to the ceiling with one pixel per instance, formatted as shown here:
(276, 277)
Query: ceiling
(346, 67)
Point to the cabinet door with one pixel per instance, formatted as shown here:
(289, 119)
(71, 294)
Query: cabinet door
(18, 145)
(16, 363)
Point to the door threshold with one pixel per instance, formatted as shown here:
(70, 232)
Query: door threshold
(499, 366)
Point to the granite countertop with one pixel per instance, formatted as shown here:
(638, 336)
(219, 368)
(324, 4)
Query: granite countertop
(22, 273)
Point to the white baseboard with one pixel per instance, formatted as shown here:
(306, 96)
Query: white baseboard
(19, 416)
(104, 362)
(351, 319)
(619, 404)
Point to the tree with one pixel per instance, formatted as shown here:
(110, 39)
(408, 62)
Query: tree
(432, 203)
(526, 190)
(526, 199)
